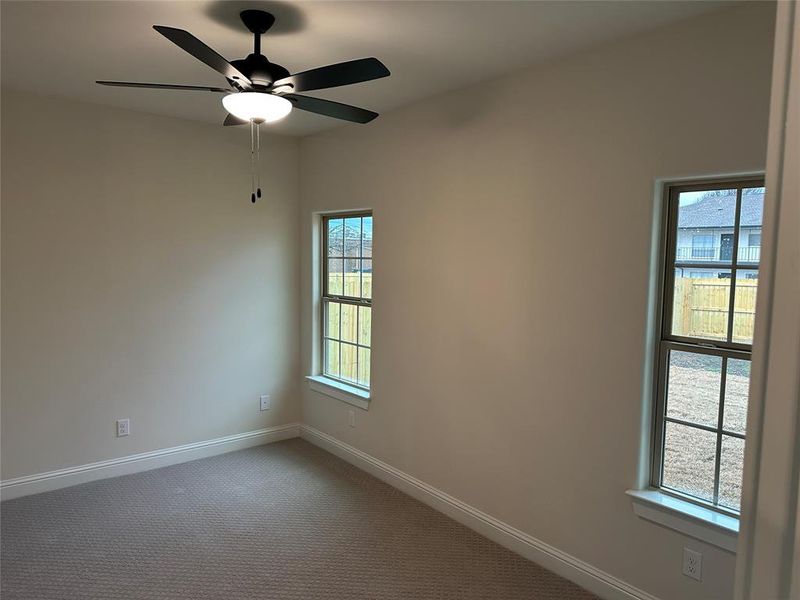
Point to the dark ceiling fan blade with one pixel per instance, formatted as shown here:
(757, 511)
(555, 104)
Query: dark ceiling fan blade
(354, 71)
(230, 120)
(200, 51)
(164, 86)
(332, 109)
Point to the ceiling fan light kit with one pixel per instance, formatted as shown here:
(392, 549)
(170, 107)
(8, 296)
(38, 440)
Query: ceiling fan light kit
(257, 106)
(264, 92)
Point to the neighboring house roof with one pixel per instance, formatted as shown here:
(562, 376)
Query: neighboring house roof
(713, 211)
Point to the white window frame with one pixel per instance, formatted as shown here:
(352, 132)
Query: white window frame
(667, 341)
(697, 519)
(351, 392)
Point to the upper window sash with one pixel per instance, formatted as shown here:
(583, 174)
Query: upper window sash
(347, 253)
(733, 263)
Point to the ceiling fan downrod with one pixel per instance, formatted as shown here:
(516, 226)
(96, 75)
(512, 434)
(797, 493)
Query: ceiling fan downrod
(258, 22)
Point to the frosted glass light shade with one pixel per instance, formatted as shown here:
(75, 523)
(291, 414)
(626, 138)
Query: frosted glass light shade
(257, 105)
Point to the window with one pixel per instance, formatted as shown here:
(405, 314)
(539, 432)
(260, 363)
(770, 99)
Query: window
(706, 334)
(702, 246)
(347, 298)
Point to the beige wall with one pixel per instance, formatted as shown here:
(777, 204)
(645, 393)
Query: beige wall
(139, 282)
(513, 227)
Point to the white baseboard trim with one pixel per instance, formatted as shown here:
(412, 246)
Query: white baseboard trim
(134, 463)
(583, 574)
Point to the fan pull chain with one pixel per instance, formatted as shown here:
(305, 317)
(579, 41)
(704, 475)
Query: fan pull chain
(258, 160)
(252, 162)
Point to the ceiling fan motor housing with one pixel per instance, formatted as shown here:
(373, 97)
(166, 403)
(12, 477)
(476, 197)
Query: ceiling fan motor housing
(259, 70)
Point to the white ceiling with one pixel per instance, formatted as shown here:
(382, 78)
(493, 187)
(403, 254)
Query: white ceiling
(60, 48)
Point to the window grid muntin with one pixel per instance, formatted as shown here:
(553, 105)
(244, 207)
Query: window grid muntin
(725, 348)
(327, 297)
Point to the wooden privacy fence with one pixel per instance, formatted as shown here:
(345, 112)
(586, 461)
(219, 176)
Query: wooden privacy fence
(354, 284)
(701, 308)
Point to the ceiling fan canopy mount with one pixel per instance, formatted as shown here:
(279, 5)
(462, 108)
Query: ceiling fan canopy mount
(257, 22)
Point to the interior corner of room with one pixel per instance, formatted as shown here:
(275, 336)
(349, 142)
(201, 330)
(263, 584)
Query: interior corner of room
(567, 370)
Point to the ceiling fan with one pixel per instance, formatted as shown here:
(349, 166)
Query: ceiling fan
(262, 91)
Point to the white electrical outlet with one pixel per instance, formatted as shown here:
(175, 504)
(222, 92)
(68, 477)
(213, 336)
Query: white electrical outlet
(351, 418)
(266, 402)
(123, 427)
(693, 564)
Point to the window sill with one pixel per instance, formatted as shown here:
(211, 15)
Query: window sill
(341, 391)
(696, 521)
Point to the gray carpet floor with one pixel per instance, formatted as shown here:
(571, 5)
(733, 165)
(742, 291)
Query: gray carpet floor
(286, 520)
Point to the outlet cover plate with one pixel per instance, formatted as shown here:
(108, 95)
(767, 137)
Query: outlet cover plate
(123, 427)
(693, 564)
(266, 402)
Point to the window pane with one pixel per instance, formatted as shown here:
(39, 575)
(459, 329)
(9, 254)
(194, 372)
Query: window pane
(348, 331)
(331, 358)
(366, 237)
(363, 366)
(689, 458)
(366, 278)
(332, 310)
(737, 386)
(750, 225)
(335, 243)
(352, 278)
(705, 226)
(693, 387)
(352, 236)
(349, 359)
(335, 268)
(364, 325)
(731, 466)
(744, 308)
(700, 303)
